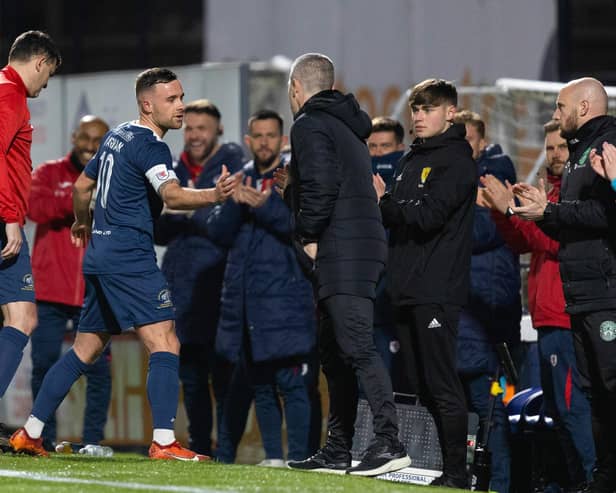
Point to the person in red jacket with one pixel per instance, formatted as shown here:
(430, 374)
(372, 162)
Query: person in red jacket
(562, 384)
(60, 285)
(33, 59)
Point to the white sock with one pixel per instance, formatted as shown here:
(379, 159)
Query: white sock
(163, 437)
(34, 427)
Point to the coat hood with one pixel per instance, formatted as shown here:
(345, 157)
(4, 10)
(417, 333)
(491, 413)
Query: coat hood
(342, 106)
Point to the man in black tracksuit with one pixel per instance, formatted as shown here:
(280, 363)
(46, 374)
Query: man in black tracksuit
(430, 216)
(584, 222)
(342, 241)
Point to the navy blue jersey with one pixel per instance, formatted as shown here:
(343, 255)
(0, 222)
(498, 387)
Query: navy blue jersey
(130, 166)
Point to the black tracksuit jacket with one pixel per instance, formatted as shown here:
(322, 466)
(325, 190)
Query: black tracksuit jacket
(430, 217)
(584, 222)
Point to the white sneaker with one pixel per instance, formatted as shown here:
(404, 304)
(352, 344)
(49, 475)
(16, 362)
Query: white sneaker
(272, 463)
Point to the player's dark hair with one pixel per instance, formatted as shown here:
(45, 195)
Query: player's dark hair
(387, 124)
(33, 43)
(434, 92)
(266, 115)
(152, 76)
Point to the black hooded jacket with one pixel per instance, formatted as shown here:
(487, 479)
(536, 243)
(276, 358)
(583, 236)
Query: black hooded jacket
(584, 222)
(332, 196)
(430, 216)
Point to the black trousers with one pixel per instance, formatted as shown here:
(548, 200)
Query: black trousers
(348, 354)
(594, 337)
(428, 340)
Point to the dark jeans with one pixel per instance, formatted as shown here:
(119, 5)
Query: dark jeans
(46, 348)
(428, 333)
(595, 350)
(565, 400)
(348, 354)
(197, 363)
(236, 398)
(477, 390)
(287, 378)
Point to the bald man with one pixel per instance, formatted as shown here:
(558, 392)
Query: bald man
(584, 221)
(56, 265)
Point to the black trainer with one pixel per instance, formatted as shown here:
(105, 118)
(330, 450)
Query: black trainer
(448, 481)
(602, 481)
(381, 457)
(5, 434)
(327, 459)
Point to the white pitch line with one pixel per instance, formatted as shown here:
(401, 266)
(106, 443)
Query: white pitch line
(35, 476)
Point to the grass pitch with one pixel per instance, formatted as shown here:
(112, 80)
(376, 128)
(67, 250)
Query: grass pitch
(131, 472)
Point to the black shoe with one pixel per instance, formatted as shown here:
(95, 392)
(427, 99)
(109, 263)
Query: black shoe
(448, 481)
(381, 457)
(602, 481)
(327, 459)
(5, 434)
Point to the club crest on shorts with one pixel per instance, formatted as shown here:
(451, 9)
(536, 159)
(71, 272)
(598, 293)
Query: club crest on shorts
(607, 330)
(164, 297)
(28, 283)
(553, 359)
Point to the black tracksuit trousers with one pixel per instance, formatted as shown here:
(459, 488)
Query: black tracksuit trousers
(428, 335)
(348, 354)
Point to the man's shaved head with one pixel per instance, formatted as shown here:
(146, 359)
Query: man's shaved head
(315, 71)
(591, 90)
(579, 101)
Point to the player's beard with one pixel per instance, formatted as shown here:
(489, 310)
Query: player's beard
(266, 163)
(209, 147)
(568, 127)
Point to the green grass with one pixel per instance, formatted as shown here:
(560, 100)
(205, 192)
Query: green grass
(136, 469)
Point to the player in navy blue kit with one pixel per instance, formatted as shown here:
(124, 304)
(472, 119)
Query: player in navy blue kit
(124, 287)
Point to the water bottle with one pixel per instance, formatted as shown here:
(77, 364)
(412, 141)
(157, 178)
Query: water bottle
(96, 451)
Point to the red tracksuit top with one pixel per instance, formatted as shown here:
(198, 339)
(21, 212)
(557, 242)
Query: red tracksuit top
(546, 301)
(15, 144)
(56, 263)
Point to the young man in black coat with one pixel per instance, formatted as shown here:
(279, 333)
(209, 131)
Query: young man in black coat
(341, 241)
(429, 213)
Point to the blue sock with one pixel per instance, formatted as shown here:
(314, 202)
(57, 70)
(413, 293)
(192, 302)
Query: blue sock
(56, 384)
(163, 386)
(12, 344)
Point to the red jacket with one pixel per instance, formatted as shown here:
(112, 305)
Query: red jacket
(15, 144)
(546, 301)
(56, 263)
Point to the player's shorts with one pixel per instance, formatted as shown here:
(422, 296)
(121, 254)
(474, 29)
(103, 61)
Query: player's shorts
(16, 281)
(118, 302)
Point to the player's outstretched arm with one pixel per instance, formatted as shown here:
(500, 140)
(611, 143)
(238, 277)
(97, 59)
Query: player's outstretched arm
(82, 195)
(176, 197)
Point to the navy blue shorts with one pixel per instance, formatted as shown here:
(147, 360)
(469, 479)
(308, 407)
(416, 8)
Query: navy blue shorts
(117, 302)
(16, 281)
